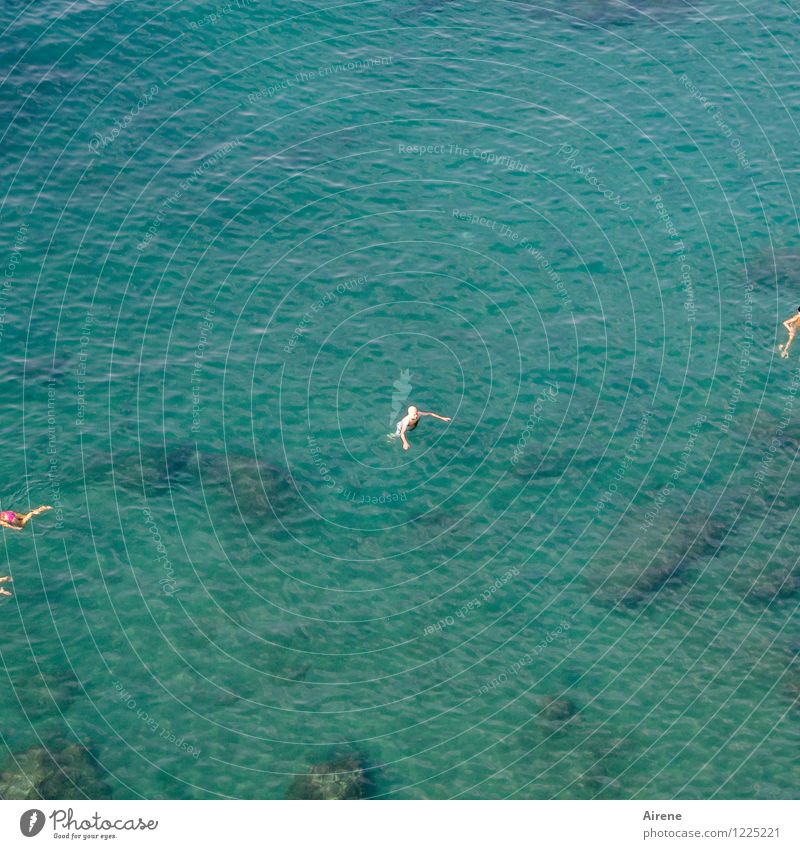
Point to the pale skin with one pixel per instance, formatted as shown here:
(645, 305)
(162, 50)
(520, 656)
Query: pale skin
(791, 325)
(21, 520)
(19, 523)
(410, 420)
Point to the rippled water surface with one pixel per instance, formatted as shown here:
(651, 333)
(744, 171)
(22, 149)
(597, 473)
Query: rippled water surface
(240, 239)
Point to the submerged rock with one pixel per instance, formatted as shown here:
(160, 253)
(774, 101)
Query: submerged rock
(149, 469)
(774, 270)
(791, 678)
(663, 569)
(42, 693)
(344, 777)
(774, 584)
(37, 369)
(42, 773)
(628, 589)
(286, 657)
(259, 490)
(558, 711)
(244, 473)
(654, 566)
(568, 465)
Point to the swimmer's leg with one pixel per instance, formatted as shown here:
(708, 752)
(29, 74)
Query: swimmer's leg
(3, 581)
(28, 516)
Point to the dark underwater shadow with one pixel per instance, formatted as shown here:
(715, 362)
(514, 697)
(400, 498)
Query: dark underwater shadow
(663, 558)
(586, 756)
(259, 490)
(778, 270)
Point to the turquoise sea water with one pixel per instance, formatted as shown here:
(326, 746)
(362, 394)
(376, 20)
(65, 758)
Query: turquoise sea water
(238, 240)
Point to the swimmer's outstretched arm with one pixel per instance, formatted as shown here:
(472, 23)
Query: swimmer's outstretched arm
(436, 416)
(3, 581)
(5, 524)
(403, 427)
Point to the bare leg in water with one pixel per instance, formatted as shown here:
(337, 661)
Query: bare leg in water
(28, 516)
(791, 326)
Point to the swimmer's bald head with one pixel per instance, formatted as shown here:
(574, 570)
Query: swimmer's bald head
(413, 411)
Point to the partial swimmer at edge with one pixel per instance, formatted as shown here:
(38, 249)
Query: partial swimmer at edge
(791, 326)
(16, 521)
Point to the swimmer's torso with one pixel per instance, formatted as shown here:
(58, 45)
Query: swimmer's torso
(409, 426)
